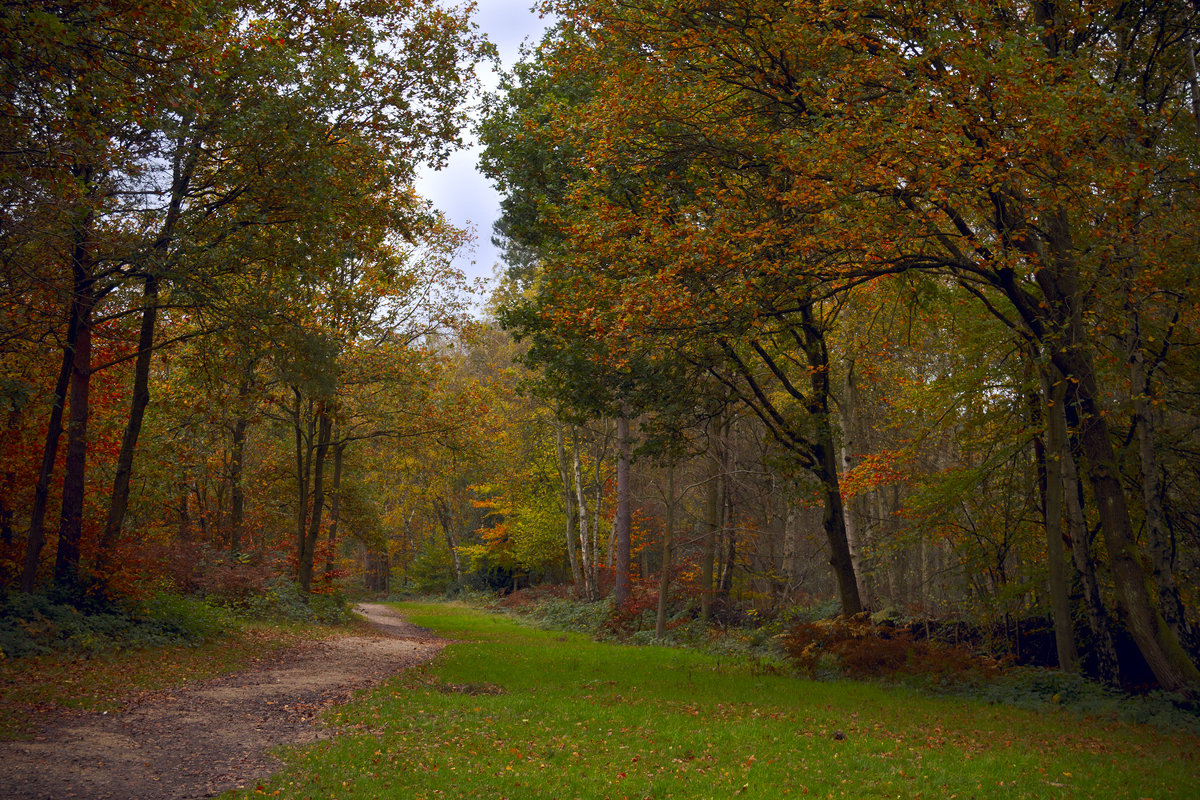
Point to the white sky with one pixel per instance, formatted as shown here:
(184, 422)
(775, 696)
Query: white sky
(459, 190)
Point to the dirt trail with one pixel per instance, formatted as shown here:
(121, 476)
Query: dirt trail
(198, 741)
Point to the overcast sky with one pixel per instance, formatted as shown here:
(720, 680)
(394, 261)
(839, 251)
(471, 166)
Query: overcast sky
(466, 197)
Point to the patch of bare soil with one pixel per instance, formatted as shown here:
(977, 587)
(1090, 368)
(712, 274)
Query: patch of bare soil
(202, 740)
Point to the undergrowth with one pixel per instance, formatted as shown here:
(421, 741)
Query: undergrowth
(1039, 689)
(40, 623)
(35, 624)
(281, 599)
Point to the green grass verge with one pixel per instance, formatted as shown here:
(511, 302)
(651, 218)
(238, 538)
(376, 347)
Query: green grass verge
(515, 712)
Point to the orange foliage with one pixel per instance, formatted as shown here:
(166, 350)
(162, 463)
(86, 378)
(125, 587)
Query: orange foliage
(876, 470)
(862, 649)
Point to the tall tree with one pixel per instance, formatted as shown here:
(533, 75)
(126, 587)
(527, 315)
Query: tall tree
(893, 141)
(130, 138)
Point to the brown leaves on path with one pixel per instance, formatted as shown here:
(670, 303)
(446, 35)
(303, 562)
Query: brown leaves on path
(198, 741)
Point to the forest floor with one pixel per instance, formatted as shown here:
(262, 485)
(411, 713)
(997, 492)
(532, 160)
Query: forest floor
(201, 740)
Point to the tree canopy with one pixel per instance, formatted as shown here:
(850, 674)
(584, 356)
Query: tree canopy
(885, 304)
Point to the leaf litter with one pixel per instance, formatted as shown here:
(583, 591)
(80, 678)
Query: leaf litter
(205, 739)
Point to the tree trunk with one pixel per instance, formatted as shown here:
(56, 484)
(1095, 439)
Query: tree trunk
(664, 576)
(119, 497)
(184, 529)
(237, 492)
(849, 445)
(1058, 322)
(824, 455)
(598, 507)
(1162, 548)
(70, 528)
(714, 524)
(376, 569)
(728, 560)
(41, 493)
(237, 461)
(309, 543)
(727, 542)
(184, 161)
(791, 567)
(1107, 666)
(304, 432)
(1049, 456)
(571, 511)
(622, 522)
(443, 513)
(1167, 659)
(335, 506)
(587, 549)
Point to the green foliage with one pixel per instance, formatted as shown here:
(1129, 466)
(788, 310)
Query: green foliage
(32, 624)
(822, 609)
(537, 538)
(1042, 689)
(589, 618)
(432, 571)
(283, 600)
(190, 618)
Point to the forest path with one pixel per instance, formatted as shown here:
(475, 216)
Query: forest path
(198, 741)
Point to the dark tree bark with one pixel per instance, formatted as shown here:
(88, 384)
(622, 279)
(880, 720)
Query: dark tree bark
(1055, 320)
(812, 445)
(304, 432)
(70, 527)
(308, 544)
(184, 163)
(377, 569)
(1158, 536)
(237, 492)
(335, 504)
(623, 520)
(713, 523)
(41, 493)
(1049, 454)
(119, 498)
(664, 576)
(824, 453)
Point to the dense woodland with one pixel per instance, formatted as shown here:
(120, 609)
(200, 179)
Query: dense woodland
(884, 307)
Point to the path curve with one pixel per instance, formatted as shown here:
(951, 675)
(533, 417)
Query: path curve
(198, 741)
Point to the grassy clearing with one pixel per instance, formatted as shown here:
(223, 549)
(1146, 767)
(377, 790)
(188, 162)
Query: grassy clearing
(34, 687)
(516, 712)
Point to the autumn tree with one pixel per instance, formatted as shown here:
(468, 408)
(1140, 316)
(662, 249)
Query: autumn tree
(136, 136)
(1021, 152)
(648, 261)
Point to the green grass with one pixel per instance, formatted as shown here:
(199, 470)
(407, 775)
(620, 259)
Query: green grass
(514, 712)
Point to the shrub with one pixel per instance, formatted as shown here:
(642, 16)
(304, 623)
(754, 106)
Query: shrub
(190, 618)
(282, 599)
(195, 568)
(1039, 689)
(859, 648)
(635, 614)
(573, 615)
(32, 624)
